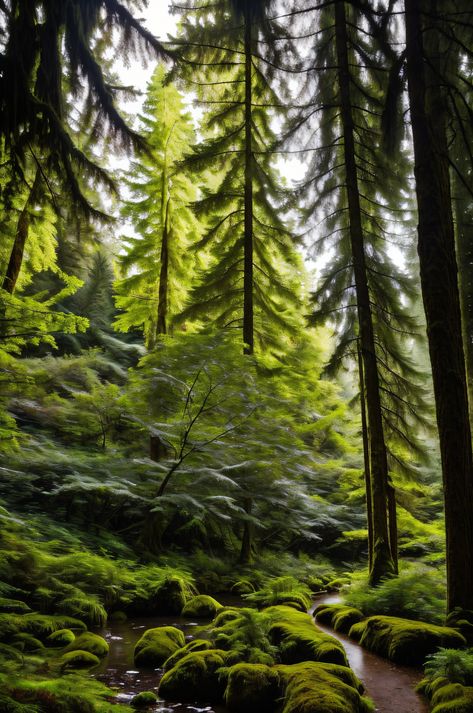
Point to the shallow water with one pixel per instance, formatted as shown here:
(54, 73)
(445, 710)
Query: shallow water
(389, 685)
(118, 672)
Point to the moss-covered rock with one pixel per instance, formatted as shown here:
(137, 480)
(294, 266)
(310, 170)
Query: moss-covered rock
(27, 643)
(202, 607)
(60, 638)
(403, 640)
(225, 615)
(198, 676)
(336, 584)
(78, 659)
(298, 639)
(92, 643)
(322, 688)
(195, 645)
(252, 688)
(13, 606)
(246, 637)
(451, 698)
(42, 625)
(144, 699)
(157, 645)
(171, 595)
(340, 616)
(9, 705)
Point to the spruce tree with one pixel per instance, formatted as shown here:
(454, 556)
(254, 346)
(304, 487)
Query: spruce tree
(157, 261)
(251, 283)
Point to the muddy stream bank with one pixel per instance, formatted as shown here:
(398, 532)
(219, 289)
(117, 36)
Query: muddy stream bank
(389, 685)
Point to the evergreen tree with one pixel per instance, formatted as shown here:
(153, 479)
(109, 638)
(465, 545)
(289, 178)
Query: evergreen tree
(158, 258)
(350, 187)
(252, 280)
(438, 269)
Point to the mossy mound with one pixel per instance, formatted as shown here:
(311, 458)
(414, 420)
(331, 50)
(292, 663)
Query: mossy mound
(202, 607)
(252, 688)
(9, 705)
(13, 606)
(225, 615)
(171, 595)
(195, 645)
(27, 643)
(157, 645)
(462, 619)
(340, 616)
(144, 699)
(246, 637)
(78, 659)
(447, 697)
(60, 638)
(336, 584)
(243, 586)
(282, 590)
(322, 688)
(298, 639)
(38, 625)
(92, 643)
(403, 640)
(198, 676)
(74, 693)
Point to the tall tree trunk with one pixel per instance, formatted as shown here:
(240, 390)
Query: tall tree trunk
(382, 560)
(439, 280)
(366, 458)
(21, 236)
(248, 327)
(161, 327)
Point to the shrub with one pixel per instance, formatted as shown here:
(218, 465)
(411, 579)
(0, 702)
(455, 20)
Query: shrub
(282, 590)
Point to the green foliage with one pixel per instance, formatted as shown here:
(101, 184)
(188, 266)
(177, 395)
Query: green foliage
(157, 645)
(90, 642)
(339, 616)
(282, 590)
(201, 607)
(417, 593)
(246, 634)
(252, 688)
(454, 664)
(78, 659)
(195, 677)
(190, 647)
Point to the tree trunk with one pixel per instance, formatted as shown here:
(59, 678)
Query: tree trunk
(392, 514)
(248, 328)
(21, 236)
(438, 271)
(382, 560)
(161, 327)
(366, 459)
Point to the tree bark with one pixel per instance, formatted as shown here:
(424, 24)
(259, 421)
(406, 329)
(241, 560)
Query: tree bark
(21, 236)
(161, 327)
(382, 560)
(246, 554)
(248, 326)
(439, 280)
(366, 458)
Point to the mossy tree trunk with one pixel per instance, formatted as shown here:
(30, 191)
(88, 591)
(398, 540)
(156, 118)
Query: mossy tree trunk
(366, 458)
(439, 280)
(382, 563)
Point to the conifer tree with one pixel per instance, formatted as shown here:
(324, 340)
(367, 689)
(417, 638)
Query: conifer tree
(251, 282)
(350, 186)
(158, 258)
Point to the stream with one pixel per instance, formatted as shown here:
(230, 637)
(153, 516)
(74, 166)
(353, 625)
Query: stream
(389, 685)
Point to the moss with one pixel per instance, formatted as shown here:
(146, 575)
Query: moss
(246, 637)
(144, 699)
(195, 645)
(453, 698)
(78, 659)
(202, 607)
(406, 641)
(336, 584)
(157, 645)
(26, 642)
(227, 614)
(322, 688)
(41, 625)
(9, 705)
(60, 638)
(92, 643)
(282, 590)
(462, 619)
(316, 584)
(356, 631)
(196, 677)
(340, 616)
(73, 693)
(298, 639)
(243, 586)
(13, 606)
(171, 595)
(118, 616)
(10, 653)
(252, 688)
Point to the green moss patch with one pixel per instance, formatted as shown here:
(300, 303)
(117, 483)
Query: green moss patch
(322, 688)
(144, 699)
(195, 645)
(198, 676)
(404, 641)
(60, 638)
(78, 659)
(252, 688)
(13, 606)
(93, 643)
(340, 616)
(27, 643)
(298, 639)
(157, 645)
(202, 607)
